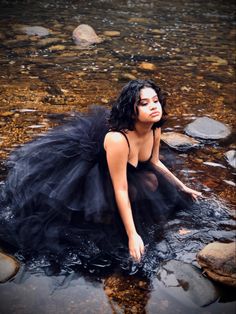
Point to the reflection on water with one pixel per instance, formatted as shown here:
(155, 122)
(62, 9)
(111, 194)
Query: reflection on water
(185, 46)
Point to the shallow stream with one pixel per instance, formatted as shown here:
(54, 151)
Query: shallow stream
(188, 48)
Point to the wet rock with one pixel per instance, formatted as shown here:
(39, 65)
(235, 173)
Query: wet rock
(158, 31)
(8, 267)
(229, 182)
(195, 286)
(207, 128)
(111, 33)
(217, 60)
(147, 66)
(213, 164)
(7, 114)
(138, 20)
(127, 76)
(36, 30)
(185, 89)
(218, 260)
(231, 157)
(84, 35)
(56, 48)
(179, 141)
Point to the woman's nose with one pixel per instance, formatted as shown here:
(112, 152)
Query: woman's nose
(154, 105)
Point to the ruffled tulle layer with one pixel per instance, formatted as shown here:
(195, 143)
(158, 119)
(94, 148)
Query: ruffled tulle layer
(58, 197)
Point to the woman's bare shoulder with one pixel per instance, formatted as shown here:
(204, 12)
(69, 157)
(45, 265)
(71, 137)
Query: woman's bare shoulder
(116, 140)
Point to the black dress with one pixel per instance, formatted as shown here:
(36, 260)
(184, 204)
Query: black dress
(58, 197)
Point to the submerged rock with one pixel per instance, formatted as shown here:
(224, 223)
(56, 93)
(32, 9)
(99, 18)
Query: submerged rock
(231, 157)
(8, 267)
(147, 66)
(36, 30)
(111, 33)
(216, 60)
(218, 260)
(195, 286)
(84, 35)
(179, 141)
(207, 128)
(213, 164)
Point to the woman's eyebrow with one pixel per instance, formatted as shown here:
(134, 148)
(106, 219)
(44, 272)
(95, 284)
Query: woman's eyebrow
(148, 98)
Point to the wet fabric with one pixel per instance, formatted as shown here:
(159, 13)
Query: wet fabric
(58, 198)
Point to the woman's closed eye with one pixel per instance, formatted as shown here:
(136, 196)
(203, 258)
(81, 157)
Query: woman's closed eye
(156, 101)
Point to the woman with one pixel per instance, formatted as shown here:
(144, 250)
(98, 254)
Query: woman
(93, 187)
(136, 140)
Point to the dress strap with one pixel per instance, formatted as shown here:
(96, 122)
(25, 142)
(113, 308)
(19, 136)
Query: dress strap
(153, 132)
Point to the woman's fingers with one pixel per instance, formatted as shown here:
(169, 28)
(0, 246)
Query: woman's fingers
(137, 254)
(136, 247)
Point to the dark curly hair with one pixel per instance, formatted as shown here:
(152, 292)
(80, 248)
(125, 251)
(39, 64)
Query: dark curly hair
(124, 111)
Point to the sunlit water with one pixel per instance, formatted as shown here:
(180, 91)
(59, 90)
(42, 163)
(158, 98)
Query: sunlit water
(191, 46)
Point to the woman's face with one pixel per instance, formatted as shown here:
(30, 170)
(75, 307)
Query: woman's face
(149, 107)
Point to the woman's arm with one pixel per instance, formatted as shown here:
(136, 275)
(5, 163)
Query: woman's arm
(155, 159)
(117, 152)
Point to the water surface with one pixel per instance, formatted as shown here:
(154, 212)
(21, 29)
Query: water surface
(191, 46)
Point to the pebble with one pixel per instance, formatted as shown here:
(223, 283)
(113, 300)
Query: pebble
(111, 33)
(158, 31)
(56, 48)
(128, 76)
(147, 66)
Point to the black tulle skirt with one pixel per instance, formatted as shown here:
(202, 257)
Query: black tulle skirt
(58, 197)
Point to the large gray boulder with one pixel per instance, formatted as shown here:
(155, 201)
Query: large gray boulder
(9, 266)
(218, 260)
(207, 128)
(84, 35)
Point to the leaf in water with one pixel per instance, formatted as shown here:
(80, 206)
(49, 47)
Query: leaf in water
(183, 231)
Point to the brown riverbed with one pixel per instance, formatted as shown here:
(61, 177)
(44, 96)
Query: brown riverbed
(190, 50)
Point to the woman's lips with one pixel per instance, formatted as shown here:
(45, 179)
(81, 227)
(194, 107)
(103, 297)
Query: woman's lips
(154, 114)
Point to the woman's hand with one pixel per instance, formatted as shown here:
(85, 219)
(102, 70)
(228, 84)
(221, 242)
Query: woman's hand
(193, 193)
(136, 247)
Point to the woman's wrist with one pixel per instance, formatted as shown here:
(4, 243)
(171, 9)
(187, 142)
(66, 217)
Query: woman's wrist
(131, 233)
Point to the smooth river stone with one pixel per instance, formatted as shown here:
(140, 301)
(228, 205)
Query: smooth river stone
(147, 66)
(218, 260)
(111, 33)
(207, 128)
(179, 141)
(36, 30)
(231, 157)
(84, 35)
(8, 267)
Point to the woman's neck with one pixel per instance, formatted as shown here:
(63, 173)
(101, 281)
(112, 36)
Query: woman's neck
(142, 128)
